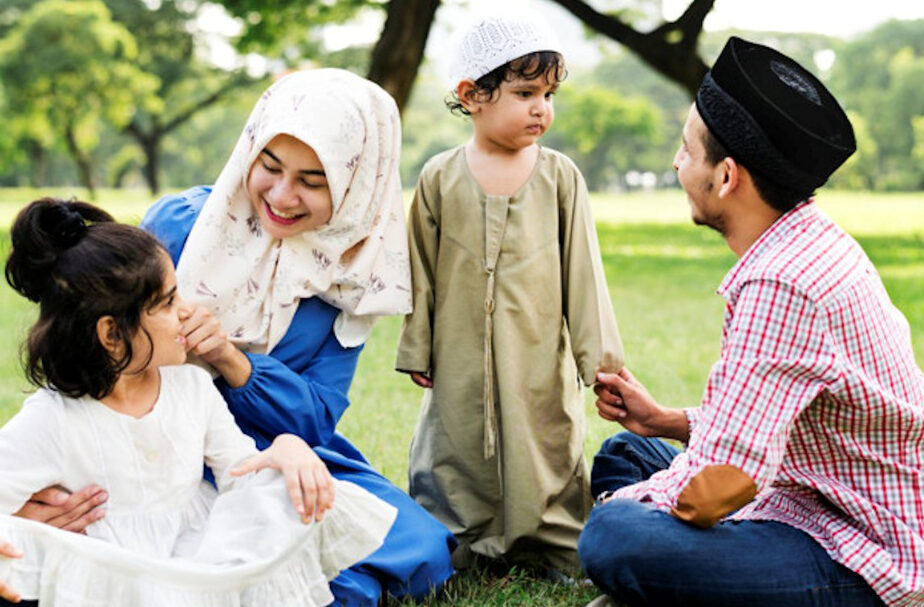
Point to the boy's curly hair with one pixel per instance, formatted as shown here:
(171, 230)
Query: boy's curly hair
(528, 67)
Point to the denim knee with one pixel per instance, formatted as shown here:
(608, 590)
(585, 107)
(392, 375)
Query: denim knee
(611, 536)
(619, 442)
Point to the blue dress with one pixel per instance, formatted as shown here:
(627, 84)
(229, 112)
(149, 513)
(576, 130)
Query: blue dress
(301, 387)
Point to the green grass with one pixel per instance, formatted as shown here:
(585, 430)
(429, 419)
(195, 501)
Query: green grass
(662, 273)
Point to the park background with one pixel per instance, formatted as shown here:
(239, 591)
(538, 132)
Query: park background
(120, 101)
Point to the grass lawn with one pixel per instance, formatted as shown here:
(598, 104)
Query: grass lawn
(662, 273)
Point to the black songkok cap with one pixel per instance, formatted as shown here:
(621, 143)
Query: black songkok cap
(774, 116)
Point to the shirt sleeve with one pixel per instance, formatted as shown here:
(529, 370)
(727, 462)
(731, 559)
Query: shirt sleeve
(595, 339)
(171, 218)
(775, 361)
(225, 444)
(277, 399)
(414, 346)
(30, 453)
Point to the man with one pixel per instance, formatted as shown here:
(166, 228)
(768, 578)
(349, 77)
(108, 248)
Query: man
(802, 480)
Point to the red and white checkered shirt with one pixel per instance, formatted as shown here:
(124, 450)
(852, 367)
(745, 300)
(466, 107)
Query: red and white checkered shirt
(816, 397)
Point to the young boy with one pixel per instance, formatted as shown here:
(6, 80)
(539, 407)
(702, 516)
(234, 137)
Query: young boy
(511, 312)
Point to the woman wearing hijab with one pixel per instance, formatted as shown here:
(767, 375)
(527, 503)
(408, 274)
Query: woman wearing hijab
(290, 257)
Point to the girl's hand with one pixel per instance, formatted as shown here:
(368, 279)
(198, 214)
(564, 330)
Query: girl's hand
(8, 550)
(308, 481)
(60, 508)
(421, 380)
(206, 339)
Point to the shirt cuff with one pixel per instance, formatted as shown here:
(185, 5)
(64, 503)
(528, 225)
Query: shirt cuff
(692, 417)
(225, 387)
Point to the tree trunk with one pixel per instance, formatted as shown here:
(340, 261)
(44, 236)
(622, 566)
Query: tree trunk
(84, 167)
(38, 160)
(150, 146)
(398, 53)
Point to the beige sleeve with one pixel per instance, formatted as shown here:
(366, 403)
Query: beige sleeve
(415, 342)
(586, 301)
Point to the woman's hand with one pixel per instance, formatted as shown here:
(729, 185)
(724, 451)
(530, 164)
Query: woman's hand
(308, 481)
(622, 398)
(8, 550)
(60, 508)
(206, 339)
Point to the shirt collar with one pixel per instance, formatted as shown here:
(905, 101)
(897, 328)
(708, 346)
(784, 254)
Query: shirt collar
(764, 243)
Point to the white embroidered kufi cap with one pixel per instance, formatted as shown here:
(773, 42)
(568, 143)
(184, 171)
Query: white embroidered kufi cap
(493, 41)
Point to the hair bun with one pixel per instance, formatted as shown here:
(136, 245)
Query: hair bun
(43, 231)
(66, 225)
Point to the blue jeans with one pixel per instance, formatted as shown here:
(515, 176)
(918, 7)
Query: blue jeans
(642, 556)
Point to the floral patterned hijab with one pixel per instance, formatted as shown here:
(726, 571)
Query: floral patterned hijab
(357, 262)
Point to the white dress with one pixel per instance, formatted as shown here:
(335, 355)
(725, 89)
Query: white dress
(167, 537)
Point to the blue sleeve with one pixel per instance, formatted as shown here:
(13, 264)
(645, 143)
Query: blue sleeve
(171, 218)
(301, 386)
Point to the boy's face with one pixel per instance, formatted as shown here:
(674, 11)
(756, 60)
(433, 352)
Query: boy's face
(518, 114)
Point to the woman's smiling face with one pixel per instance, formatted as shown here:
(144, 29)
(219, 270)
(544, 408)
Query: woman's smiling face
(288, 188)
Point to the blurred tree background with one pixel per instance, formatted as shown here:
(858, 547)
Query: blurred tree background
(153, 93)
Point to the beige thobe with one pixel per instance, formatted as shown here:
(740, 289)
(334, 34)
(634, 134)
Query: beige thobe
(511, 313)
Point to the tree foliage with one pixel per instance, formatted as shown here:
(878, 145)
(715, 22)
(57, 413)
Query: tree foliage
(66, 67)
(122, 88)
(603, 132)
(188, 84)
(880, 76)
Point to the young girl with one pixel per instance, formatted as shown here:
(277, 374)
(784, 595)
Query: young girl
(117, 407)
(511, 311)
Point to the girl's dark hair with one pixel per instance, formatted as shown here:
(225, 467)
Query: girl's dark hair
(79, 265)
(528, 67)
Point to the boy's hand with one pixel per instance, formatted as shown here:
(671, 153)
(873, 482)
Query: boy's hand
(308, 481)
(8, 550)
(421, 380)
(60, 508)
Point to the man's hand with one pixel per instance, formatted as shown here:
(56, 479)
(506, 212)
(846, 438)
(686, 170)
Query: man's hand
(10, 551)
(69, 511)
(421, 380)
(622, 398)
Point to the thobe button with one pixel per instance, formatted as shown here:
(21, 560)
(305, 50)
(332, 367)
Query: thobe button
(152, 456)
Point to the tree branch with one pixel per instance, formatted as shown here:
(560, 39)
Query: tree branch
(237, 79)
(398, 53)
(673, 56)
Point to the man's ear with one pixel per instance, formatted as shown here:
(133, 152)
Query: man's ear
(467, 93)
(730, 173)
(108, 333)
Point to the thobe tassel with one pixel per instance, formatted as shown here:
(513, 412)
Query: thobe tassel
(495, 222)
(490, 415)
